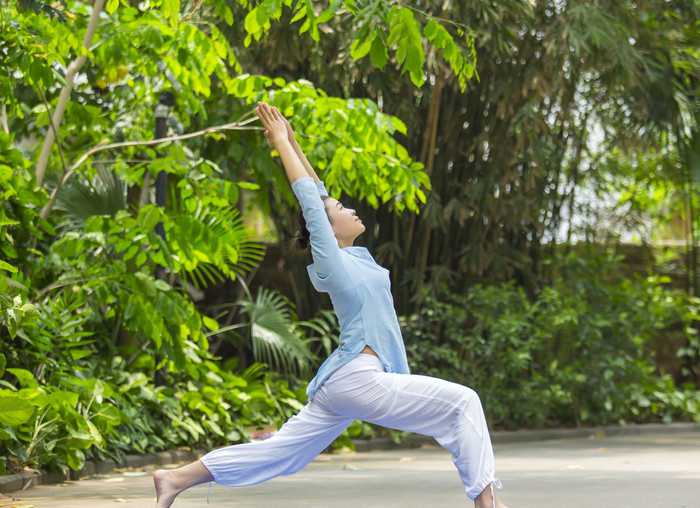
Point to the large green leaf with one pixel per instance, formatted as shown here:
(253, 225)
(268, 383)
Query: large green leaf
(14, 411)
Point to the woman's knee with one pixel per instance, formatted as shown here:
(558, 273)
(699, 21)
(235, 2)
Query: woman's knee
(469, 395)
(470, 401)
(471, 412)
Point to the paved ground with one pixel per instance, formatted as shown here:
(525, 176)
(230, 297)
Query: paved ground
(661, 470)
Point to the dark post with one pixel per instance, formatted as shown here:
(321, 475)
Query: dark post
(165, 101)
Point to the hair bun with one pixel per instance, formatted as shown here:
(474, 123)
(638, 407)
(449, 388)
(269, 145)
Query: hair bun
(303, 238)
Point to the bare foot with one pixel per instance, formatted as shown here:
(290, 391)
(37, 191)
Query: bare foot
(499, 504)
(166, 488)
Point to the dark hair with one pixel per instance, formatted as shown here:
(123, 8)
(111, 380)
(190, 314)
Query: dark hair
(302, 237)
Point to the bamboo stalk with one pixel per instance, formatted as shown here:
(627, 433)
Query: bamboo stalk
(63, 98)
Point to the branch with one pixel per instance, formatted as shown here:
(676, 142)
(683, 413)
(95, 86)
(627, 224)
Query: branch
(195, 7)
(53, 126)
(3, 119)
(240, 125)
(72, 70)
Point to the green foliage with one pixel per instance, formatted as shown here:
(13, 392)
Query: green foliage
(378, 27)
(29, 44)
(460, 62)
(113, 269)
(19, 201)
(350, 140)
(578, 354)
(404, 32)
(112, 412)
(53, 426)
(258, 19)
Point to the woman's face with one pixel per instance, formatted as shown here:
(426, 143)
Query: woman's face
(346, 224)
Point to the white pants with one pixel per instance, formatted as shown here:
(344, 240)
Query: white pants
(449, 412)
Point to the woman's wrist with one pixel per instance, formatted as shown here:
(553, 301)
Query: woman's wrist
(295, 145)
(280, 142)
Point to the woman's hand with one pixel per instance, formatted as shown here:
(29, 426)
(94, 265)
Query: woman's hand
(274, 123)
(276, 133)
(290, 131)
(290, 135)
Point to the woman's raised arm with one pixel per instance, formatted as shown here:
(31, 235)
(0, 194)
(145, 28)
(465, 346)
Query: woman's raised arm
(304, 160)
(328, 265)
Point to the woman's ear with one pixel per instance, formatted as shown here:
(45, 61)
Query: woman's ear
(326, 207)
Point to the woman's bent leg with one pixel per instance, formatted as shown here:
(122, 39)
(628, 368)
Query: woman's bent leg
(449, 412)
(296, 443)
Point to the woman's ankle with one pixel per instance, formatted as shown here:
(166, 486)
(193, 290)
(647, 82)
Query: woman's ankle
(190, 475)
(485, 499)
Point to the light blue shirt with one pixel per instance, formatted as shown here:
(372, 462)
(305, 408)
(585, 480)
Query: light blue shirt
(359, 288)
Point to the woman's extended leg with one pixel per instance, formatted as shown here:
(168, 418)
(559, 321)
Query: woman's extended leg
(170, 482)
(293, 446)
(298, 441)
(449, 412)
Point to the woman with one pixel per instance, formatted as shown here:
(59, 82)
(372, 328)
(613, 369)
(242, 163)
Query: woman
(367, 377)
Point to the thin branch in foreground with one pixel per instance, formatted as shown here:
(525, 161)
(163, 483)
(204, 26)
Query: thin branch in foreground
(239, 125)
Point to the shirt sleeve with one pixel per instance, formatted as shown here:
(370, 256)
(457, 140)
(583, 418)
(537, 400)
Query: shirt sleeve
(328, 271)
(322, 189)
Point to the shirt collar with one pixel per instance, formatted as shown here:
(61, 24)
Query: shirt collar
(358, 251)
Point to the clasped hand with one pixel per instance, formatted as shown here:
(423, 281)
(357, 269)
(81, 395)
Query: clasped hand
(277, 127)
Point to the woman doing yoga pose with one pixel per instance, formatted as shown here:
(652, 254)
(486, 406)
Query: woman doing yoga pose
(366, 377)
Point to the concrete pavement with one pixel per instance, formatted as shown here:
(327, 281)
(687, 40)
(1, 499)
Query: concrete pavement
(655, 470)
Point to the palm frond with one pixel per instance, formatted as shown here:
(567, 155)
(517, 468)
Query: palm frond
(81, 198)
(326, 328)
(273, 334)
(214, 244)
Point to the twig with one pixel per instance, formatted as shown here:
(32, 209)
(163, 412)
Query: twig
(428, 15)
(196, 5)
(102, 147)
(62, 283)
